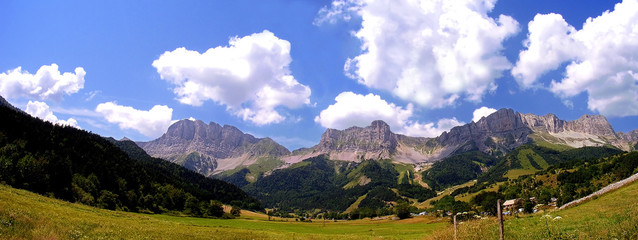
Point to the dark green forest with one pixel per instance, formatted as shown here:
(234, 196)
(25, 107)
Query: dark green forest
(574, 179)
(79, 166)
(457, 169)
(319, 183)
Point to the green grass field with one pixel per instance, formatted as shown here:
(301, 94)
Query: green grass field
(611, 216)
(25, 215)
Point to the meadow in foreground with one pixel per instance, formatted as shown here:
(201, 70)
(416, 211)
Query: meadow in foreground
(27, 215)
(610, 216)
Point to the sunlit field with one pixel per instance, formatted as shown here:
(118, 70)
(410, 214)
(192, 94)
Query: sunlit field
(27, 215)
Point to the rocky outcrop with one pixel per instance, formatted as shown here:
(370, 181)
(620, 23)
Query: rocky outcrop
(221, 147)
(630, 136)
(591, 124)
(372, 142)
(501, 131)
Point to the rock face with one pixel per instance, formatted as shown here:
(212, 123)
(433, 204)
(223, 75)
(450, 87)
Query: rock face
(218, 148)
(372, 142)
(497, 133)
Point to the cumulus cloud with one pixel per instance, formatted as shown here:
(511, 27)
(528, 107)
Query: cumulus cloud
(601, 58)
(549, 43)
(152, 123)
(482, 112)
(431, 52)
(46, 83)
(430, 129)
(251, 77)
(42, 111)
(351, 109)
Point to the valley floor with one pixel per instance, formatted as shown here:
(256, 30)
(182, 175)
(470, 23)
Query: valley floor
(25, 215)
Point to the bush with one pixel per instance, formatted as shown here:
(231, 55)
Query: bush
(402, 209)
(215, 209)
(235, 211)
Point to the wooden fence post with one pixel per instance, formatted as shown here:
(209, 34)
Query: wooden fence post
(455, 227)
(500, 219)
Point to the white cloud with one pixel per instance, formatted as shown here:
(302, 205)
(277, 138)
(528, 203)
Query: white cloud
(482, 112)
(601, 58)
(251, 77)
(429, 52)
(549, 43)
(430, 129)
(46, 83)
(338, 10)
(351, 109)
(42, 111)
(152, 123)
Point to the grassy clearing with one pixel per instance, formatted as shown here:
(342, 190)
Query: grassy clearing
(355, 204)
(611, 216)
(515, 173)
(466, 197)
(260, 166)
(25, 215)
(406, 171)
(543, 140)
(448, 191)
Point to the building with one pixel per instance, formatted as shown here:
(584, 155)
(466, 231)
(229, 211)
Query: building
(513, 204)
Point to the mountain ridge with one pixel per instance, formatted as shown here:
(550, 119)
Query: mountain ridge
(498, 133)
(219, 147)
(226, 148)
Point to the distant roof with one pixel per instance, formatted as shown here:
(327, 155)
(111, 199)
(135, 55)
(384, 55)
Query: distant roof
(510, 202)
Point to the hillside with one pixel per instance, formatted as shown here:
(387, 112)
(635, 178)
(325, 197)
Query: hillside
(610, 216)
(319, 183)
(574, 179)
(534, 170)
(78, 166)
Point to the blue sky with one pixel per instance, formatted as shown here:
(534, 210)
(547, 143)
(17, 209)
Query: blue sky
(290, 69)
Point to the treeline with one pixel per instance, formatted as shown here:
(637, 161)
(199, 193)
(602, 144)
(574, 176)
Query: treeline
(571, 174)
(572, 180)
(78, 166)
(457, 169)
(319, 183)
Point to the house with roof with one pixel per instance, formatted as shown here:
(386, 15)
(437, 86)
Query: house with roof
(513, 204)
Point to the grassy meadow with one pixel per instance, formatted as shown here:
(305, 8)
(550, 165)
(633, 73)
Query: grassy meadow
(611, 216)
(25, 215)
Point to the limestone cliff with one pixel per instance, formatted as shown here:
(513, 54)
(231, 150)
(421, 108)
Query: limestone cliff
(219, 148)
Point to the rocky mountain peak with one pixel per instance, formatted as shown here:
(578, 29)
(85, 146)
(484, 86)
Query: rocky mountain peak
(592, 124)
(213, 143)
(375, 137)
(504, 119)
(379, 124)
(190, 130)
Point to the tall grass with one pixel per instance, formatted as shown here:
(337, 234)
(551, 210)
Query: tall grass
(611, 216)
(25, 215)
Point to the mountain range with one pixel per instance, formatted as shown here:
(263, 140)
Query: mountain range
(213, 149)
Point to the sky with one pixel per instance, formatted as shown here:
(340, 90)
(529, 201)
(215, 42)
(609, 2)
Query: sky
(289, 69)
